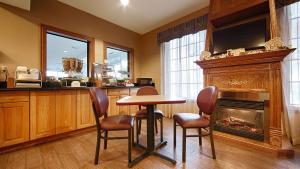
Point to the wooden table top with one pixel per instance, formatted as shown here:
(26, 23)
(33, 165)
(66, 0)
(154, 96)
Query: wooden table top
(149, 100)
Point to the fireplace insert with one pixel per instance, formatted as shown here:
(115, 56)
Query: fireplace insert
(243, 114)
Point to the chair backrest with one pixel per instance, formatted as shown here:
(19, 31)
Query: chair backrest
(207, 99)
(147, 90)
(100, 102)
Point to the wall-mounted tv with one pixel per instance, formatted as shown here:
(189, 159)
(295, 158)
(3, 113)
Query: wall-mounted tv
(250, 35)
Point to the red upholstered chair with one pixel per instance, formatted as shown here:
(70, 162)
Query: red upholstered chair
(111, 123)
(141, 114)
(206, 102)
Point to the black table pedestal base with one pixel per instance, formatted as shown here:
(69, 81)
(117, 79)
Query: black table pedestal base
(147, 154)
(150, 149)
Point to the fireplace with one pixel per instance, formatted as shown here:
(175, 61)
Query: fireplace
(243, 114)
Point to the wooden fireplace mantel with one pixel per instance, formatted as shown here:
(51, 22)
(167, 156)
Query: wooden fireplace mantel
(253, 72)
(265, 57)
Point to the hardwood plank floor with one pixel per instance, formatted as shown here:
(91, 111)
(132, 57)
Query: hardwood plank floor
(77, 152)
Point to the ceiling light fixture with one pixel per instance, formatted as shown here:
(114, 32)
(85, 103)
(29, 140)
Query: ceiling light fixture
(124, 2)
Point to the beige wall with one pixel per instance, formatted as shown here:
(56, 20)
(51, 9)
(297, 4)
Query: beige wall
(150, 58)
(20, 35)
(19, 42)
(20, 32)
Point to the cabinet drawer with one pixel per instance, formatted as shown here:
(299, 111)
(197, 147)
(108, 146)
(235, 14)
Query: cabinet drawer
(14, 96)
(117, 92)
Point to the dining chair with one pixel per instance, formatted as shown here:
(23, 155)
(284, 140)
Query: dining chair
(141, 114)
(206, 102)
(109, 123)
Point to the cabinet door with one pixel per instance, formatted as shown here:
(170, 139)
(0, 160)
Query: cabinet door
(65, 111)
(134, 108)
(14, 123)
(85, 115)
(113, 109)
(42, 114)
(123, 110)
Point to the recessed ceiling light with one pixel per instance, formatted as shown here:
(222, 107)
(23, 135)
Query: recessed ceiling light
(65, 51)
(124, 2)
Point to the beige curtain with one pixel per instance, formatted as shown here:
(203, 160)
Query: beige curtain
(181, 77)
(289, 16)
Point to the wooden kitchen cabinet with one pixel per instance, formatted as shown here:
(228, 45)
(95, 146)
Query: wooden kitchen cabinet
(36, 114)
(113, 109)
(14, 123)
(123, 110)
(134, 108)
(65, 116)
(114, 95)
(85, 115)
(42, 114)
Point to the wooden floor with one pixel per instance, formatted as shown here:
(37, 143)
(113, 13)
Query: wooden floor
(78, 152)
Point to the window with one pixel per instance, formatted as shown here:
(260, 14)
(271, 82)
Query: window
(294, 60)
(65, 54)
(118, 59)
(181, 76)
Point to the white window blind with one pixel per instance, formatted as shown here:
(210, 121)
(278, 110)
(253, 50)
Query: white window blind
(294, 60)
(181, 76)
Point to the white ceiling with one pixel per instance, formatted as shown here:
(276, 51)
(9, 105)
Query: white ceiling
(24, 4)
(140, 16)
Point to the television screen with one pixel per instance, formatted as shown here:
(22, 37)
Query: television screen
(249, 35)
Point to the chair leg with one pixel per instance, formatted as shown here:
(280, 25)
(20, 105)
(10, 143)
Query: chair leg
(155, 122)
(105, 139)
(129, 145)
(137, 131)
(140, 126)
(132, 136)
(183, 145)
(200, 136)
(174, 133)
(161, 129)
(212, 145)
(97, 148)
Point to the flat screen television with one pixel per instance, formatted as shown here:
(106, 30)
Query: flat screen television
(250, 35)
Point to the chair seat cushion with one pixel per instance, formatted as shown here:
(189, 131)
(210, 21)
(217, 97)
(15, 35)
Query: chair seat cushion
(143, 113)
(191, 120)
(123, 122)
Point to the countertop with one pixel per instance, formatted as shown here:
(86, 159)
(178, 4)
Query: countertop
(63, 88)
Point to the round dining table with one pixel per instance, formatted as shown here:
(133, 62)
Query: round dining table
(150, 101)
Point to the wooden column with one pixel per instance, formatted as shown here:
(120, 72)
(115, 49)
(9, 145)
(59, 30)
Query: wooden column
(274, 29)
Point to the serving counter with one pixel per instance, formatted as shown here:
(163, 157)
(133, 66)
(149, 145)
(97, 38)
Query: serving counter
(30, 114)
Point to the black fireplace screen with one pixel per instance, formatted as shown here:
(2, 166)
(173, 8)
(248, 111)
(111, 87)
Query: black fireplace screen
(241, 118)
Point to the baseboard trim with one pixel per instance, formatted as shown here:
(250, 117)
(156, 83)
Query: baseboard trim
(45, 140)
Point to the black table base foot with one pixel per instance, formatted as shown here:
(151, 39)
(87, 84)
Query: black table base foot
(140, 158)
(164, 157)
(147, 154)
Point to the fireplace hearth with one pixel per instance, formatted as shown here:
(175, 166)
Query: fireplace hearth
(243, 114)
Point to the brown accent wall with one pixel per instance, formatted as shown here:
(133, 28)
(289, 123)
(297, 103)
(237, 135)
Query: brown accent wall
(20, 32)
(150, 60)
